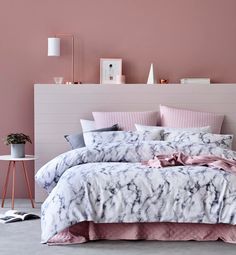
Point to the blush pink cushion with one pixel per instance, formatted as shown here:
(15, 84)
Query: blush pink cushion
(181, 118)
(125, 120)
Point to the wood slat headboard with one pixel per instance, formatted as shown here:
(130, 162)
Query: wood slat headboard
(58, 109)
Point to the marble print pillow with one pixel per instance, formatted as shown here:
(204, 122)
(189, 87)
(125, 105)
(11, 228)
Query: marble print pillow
(224, 141)
(120, 136)
(165, 131)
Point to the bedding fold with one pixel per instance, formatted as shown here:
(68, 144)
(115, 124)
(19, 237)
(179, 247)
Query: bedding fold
(179, 159)
(48, 176)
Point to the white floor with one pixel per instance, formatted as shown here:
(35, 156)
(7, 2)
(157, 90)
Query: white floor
(23, 238)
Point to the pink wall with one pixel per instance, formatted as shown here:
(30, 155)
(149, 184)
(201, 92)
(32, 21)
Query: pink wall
(182, 37)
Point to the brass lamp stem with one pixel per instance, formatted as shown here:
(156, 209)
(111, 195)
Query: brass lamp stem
(73, 55)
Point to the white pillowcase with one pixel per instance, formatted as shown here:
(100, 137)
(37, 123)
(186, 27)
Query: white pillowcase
(96, 138)
(87, 125)
(224, 141)
(165, 131)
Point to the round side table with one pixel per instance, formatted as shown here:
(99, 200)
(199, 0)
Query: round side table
(12, 166)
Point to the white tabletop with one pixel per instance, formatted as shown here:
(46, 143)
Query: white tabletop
(10, 158)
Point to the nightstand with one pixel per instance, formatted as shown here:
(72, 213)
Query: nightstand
(12, 166)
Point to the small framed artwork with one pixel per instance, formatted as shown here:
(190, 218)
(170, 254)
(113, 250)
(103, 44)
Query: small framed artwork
(110, 69)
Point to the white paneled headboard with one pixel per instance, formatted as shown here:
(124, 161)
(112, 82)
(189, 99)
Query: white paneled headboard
(58, 108)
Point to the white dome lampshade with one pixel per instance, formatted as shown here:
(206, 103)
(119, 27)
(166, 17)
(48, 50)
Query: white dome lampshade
(54, 47)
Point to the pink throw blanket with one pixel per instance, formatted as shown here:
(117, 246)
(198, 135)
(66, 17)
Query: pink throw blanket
(179, 159)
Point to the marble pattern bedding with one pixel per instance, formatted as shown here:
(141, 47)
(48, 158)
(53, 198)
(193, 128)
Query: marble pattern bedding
(224, 141)
(96, 138)
(109, 184)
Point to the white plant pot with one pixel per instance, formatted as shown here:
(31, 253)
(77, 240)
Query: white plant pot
(18, 150)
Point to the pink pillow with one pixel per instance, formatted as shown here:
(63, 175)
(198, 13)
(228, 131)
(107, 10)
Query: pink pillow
(181, 118)
(125, 120)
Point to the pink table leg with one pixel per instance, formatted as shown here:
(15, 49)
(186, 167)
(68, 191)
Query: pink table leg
(27, 182)
(13, 184)
(6, 183)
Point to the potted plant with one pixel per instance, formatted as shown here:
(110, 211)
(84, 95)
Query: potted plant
(17, 142)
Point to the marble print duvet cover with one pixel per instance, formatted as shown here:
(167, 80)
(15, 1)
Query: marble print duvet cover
(109, 184)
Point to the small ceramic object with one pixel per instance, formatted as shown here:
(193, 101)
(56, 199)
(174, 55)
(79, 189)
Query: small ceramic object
(58, 80)
(120, 79)
(163, 81)
(151, 76)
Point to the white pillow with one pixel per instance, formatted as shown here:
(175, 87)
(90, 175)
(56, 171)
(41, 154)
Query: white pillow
(87, 125)
(97, 138)
(224, 141)
(165, 131)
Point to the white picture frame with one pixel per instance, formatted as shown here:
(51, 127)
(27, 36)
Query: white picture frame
(110, 68)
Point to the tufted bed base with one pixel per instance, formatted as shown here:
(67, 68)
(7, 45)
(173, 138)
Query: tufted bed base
(89, 231)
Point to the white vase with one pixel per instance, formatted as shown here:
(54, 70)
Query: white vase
(151, 76)
(18, 150)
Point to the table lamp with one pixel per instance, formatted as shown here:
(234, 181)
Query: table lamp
(54, 51)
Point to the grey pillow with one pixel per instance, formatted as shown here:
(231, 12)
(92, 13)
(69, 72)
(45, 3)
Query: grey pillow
(77, 140)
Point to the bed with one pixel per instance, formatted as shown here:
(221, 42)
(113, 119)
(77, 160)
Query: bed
(107, 190)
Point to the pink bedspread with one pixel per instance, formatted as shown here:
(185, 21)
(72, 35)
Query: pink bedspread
(181, 159)
(89, 231)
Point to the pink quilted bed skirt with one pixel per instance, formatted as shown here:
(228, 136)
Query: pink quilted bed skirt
(89, 231)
